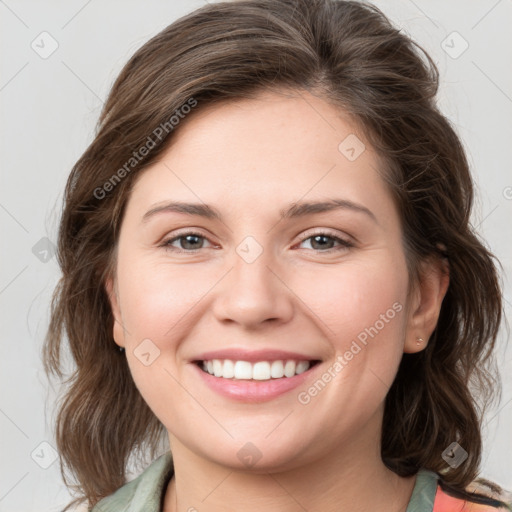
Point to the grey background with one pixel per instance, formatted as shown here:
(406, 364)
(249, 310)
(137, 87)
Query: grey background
(48, 109)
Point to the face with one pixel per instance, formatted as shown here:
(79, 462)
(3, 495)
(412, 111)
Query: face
(251, 274)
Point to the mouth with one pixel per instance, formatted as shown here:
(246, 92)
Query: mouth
(236, 370)
(253, 376)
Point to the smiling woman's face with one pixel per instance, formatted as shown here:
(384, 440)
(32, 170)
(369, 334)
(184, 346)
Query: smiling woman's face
(320, 283)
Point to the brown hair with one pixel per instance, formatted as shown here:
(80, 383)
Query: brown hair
(350, 54)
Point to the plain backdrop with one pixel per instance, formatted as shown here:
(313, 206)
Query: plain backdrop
(59, 60)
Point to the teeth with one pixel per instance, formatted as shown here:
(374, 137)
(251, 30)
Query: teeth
(228, 369)
(277, 369)
(262, 370)
(217, 368)
(243, 370)
(289, 369)
(302, 366)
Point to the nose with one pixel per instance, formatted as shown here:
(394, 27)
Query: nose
(253, 294)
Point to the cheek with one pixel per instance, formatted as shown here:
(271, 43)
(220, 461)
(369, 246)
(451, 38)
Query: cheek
(159, 304)
(157, 299)
(362, 309)
(354, 297)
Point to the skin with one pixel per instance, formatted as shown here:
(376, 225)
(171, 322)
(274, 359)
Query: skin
(249, 159)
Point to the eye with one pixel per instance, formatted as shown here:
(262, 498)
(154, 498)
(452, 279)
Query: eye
(190, 242)
(187, 242)
(324, 241)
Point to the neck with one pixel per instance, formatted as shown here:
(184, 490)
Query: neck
(350, 476)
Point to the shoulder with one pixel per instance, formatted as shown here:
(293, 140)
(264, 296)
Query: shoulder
(432, 494)
(144, 493)
(480, 496)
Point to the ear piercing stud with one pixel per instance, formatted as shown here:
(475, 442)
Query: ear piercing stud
(419, 341)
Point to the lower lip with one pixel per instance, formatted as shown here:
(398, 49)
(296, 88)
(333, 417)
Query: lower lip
(254, 390)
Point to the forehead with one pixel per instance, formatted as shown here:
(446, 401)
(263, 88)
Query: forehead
(270, 149)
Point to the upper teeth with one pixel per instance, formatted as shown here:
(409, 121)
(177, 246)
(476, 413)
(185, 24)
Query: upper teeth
(262, 370)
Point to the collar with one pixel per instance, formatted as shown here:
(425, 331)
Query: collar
(146, 492)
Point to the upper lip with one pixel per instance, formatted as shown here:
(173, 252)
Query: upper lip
(240, 354)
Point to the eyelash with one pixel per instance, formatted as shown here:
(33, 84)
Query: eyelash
(344, 244)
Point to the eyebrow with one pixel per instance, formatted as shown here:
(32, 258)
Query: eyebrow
(293, 210)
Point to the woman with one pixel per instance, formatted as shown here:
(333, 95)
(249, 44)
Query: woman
(267, 260)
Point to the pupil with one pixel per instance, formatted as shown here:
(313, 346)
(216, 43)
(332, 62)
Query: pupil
(186, 244)
(321, 238)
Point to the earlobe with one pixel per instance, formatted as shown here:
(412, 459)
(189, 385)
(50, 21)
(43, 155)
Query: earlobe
(430, 290)
(118, 331)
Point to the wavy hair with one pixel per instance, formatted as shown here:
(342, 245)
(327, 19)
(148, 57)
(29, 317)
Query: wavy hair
(350, 54)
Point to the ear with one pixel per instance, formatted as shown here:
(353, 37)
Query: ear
(118, 331)
(425, 303)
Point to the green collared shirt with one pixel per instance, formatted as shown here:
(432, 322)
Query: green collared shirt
(146, 492)
(143, 494)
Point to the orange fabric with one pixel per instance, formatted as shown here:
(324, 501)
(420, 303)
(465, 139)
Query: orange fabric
(445, 503)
